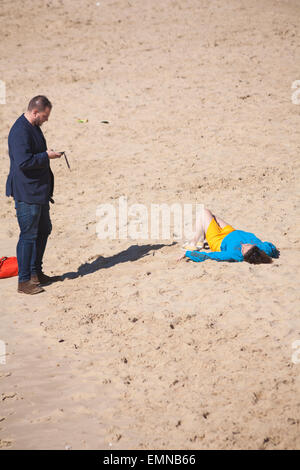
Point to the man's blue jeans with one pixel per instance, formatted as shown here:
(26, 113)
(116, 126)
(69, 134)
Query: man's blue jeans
(35, 227)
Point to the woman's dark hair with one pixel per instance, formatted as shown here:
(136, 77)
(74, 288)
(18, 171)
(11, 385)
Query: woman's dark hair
(257, 256)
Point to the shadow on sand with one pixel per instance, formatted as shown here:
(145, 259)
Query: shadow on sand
(133, 253)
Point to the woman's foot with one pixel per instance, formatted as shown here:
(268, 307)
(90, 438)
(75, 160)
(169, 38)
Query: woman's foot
(189, 246)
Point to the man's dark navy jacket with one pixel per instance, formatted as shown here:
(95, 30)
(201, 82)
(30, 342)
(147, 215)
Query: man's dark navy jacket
(30, 177)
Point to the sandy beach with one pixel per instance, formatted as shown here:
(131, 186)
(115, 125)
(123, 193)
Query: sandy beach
(159, 102)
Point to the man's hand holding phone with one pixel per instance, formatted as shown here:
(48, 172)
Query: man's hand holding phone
(52, 154)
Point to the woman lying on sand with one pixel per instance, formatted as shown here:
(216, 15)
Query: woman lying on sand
(228, 244)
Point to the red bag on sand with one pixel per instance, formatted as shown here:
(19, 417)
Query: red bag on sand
(8, 266)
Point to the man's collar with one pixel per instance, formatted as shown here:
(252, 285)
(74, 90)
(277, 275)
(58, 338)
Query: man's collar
(27, 120)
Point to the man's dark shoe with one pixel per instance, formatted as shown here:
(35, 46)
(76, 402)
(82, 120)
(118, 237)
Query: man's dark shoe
(44, 279)
(28, 287)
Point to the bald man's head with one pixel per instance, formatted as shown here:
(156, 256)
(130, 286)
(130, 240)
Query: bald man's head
(40, 103)
(38, 110)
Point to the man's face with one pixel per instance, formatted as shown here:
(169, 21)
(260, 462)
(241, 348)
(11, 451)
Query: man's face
(41, 116)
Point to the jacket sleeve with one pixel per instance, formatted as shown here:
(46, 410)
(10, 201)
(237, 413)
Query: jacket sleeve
(217, 255)
(269, 249)
(20, 147)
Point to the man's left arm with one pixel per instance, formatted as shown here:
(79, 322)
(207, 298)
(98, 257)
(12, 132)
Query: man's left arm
(20, 147)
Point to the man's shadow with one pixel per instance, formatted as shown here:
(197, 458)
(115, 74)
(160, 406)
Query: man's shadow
(133, 253)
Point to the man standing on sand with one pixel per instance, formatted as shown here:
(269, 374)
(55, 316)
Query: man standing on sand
(30, 182)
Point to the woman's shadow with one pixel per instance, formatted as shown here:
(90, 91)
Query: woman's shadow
(133, 253)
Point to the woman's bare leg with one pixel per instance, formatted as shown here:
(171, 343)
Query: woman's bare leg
(203, 225)
(220, 222)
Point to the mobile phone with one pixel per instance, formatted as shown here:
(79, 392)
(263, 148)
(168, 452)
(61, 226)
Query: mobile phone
(64, 153)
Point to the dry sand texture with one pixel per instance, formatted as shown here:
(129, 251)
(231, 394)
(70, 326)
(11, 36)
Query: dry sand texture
(155, 355)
